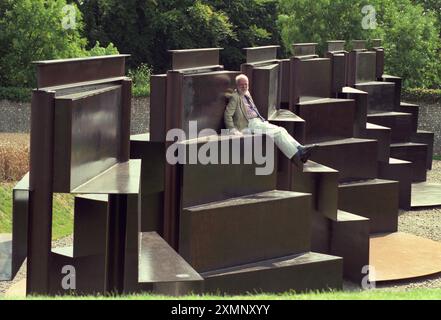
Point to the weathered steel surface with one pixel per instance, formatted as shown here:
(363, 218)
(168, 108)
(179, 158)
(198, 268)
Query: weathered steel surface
(398, 256)
(361, 106)
(374, 199)
(336, 45)
(238, 171)
(158, 262)
(20, 210)
(265, 90)
(381, 96)
(204, 98)
(327, 119)
(208, 242)
(259, 54)
(122, 178)
(400, 124)
(309, 271)
(40, 182)
(305, 85)
(350, 240)
(195, 58)
(427, 138)
(87, 136)
(383, 137)
(426, 194)
(304, 49)
(401, 171)
(415, 153)
(359, 44)
(355, 159)
(366, 67)
(59, 72)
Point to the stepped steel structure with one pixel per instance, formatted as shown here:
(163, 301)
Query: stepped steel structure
(144, 224)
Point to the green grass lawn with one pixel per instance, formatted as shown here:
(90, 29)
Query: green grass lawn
(376, 294)
(437, 157)
(62, 209)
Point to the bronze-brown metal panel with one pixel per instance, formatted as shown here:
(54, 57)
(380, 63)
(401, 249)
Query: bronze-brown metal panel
(322, 183)
(90, 225)
(132, 248)
(400, 124)
(258, 54)
(87, 136)
(208, 242)
(428, 138)
(366, 65)
(173, 116)
(359, 44)
(381, 95)
(415, 153)
(414, 110)
(380, 62)
(352, 69)
(116, 243)
(126, 110)
(247, 69)
(122, 178)
(195, 58)
(350, 240)
(197, 182)
(40, 181)
(152, 155)
(327, 119)
(303, 49)
(398, 86)
(383, 137)
(426, 194)
(306, 272)
(284, 83)
(401, 171)
(336, 45)
(265, 90)
(89, 273)
(158, 101)
(355, 159)
(361, 106)
(339, 63)
(305, 82)
(374, 199)
(158, 262)
(59, 72)
(204, 98)
(20, 209)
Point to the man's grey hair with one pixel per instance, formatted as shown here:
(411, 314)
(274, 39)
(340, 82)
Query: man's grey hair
(241, 76)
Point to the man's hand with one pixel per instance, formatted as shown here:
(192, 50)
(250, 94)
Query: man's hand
(235, 132)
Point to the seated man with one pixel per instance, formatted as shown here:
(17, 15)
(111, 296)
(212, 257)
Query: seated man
(241, 114)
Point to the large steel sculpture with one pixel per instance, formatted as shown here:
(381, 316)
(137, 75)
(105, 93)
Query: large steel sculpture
(146, 222)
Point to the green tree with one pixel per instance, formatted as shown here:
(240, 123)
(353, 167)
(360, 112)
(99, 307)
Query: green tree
(147, 29)
(411, 41)
(38, 30)
(409, 33)
(253, 24)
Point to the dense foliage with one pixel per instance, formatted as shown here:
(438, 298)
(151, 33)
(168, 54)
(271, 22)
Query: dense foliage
(147, 29)
(409, 32)
(33, 30)
(38, 30)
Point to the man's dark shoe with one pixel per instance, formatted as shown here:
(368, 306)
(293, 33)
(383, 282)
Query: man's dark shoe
(306, 152)
(296, 160)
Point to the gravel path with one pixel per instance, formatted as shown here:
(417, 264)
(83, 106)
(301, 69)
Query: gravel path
(425, 223)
